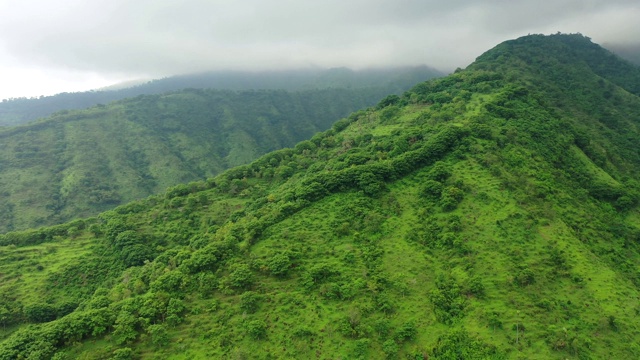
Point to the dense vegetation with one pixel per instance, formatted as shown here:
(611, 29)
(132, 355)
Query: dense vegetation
(491, 214)
(379, 81)
(78, 163)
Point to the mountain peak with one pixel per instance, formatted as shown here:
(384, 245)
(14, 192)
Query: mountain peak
(557, 55)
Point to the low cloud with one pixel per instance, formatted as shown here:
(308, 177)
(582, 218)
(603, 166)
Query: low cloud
(165, 37)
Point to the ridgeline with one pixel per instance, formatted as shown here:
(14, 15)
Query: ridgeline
(381, 81)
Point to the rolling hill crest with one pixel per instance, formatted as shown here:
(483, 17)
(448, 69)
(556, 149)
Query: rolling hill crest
(491, 214)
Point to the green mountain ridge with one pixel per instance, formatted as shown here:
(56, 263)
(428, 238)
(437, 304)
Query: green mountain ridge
(79, 163)
(386, 80)
(491, 214)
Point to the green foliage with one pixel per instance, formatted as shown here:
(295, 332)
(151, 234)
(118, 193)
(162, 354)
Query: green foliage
(125, 328)
(431, 189)
(390, 349)
(448, 302)
(122, 354)
(279, 264)
(159, 335)
(371, 84)
(458, 345)
(450, 197)
(493, 216)
(406, 332)
(38, 313)
(171, 282)
(241, 276)
(256, 329)
(249, 301)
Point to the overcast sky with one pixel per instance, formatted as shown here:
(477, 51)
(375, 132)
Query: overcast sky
(51, 46)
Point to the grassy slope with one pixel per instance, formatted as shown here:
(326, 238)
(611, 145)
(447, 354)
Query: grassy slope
(79, 163)
(471, 219)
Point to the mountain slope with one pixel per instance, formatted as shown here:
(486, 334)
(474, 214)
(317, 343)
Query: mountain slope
(78, 163)
(484, 215)
(381, 81)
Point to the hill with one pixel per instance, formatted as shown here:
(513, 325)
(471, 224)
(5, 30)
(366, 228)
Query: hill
(383, 81)
(79, 163)
(491, 214)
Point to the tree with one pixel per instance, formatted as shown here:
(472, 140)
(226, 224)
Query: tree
(124, 330)
(175, 310)
(241, 277)
(39, 313)
(159, 335)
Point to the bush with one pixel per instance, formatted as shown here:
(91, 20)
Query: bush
(249, 302)
(122, 354)
(524, 277)
(171, 282)
(256, 329)
(39, 313)
(388, 101)
(475, 287)
(241, 277)
(431, 189)
(390, 349)
(451, 197)
(439, 172)
(407, 331)
(279, 264)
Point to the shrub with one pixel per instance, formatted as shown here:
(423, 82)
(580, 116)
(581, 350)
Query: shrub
(39, 313)
(249, 301)
(431, 189)
(439, 172)
(451, 196)
(241, 277)
(390, 349)
(279, 264)
(256, 329)
(407, 331)
(122, 354)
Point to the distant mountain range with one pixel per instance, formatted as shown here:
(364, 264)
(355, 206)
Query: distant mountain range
(390, 80)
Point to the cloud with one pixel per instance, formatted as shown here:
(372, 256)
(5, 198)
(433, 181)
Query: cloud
(164, 37)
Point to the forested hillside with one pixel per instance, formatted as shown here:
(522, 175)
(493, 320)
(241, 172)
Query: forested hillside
(380, 81)
(491, 214)
(78, 163)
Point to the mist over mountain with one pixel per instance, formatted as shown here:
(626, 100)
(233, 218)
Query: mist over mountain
(489, 214)
(387, 80)
(626, 51)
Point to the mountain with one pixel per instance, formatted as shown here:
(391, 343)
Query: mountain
(79, 163)
(385, 81)
(490, 214)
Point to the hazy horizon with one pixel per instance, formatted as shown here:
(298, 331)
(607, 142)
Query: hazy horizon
(48, 47)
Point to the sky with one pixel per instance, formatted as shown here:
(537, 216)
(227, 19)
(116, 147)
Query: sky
(53, 46)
